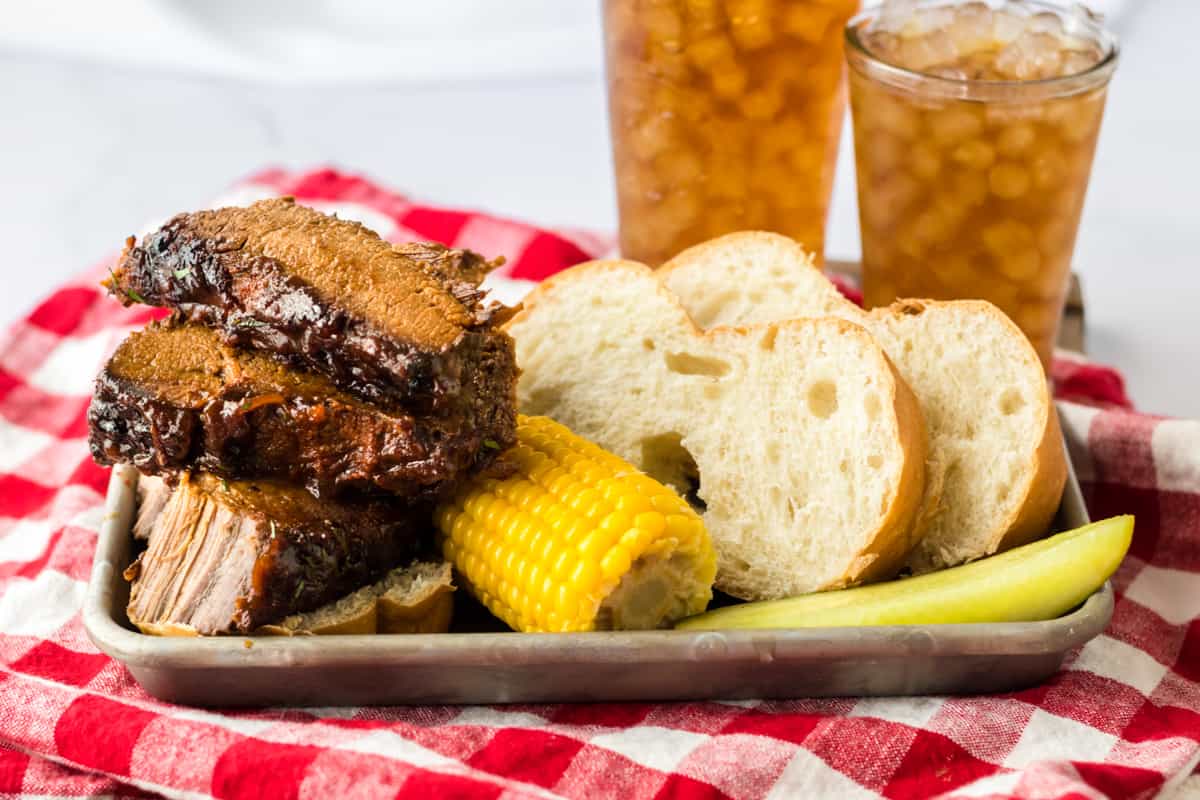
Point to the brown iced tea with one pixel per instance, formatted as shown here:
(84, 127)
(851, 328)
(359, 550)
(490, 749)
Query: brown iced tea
(725, 116)
(974, 129)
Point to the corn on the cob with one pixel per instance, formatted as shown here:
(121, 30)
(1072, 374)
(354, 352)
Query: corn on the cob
(576, 539)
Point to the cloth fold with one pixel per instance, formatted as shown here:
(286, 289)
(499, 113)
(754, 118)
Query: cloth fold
(1122, 719)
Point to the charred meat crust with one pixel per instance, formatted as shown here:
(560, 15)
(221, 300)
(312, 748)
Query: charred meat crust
(259, 551)
(302, 568)
(243, 272)
(239, 420)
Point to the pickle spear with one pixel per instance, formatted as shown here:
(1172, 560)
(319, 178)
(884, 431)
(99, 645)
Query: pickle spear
(1039, 581)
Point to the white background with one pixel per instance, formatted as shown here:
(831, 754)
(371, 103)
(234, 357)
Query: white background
(115, 114)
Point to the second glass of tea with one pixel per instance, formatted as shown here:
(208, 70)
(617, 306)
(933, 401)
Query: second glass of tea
(974, 129)
(725, 116)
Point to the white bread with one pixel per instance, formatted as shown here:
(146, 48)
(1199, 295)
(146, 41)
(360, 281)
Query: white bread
(418, 598)
(808, 448)
(997, 466)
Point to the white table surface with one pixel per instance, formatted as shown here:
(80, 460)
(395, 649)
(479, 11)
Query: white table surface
(89, 153)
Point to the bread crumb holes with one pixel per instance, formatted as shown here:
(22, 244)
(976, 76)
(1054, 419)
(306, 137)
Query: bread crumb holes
(1011, 401)
(689, 364)
(822, 399)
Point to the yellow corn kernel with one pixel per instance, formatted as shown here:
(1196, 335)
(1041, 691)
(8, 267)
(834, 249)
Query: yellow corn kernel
(615, 564)
(576, 539)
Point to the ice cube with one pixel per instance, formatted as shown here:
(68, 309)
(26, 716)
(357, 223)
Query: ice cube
(972, 27)
(935, 49)
(975, 154)
(924, 161)
(884, 45)
(1021, 265)
(652, 135)
(976, 7)
(677, 211)
(1016, 139)
(1007, 236)
(897, 118)
(678, 166)
(1007, 26)
(1031, 56)
(926, 20)
(955, 125)
(1046, 22)
(807, 22)
(895, 14)
(1001, 114)
(762, 104)
(752, 33)
(1008, 180)
(703, 14)
(1082, 16)
(970, 188)
(978, 65)
(1049, 169)
(1077, 61)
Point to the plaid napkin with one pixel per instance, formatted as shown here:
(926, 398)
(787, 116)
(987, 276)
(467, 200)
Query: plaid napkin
(1122, 720)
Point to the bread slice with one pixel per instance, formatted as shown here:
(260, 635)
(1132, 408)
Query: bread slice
(997, 466)
(418, 598)
(752, 277)
(807, 448)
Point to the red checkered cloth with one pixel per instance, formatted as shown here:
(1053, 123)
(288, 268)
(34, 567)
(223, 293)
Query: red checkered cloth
(1122, 720)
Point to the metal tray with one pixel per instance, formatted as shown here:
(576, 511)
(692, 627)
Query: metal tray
(494, 667)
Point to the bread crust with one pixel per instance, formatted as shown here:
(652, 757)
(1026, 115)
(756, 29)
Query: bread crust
(1047, 470)
(431, 614)
(889, 543)
(361, 621)
(1046, 473)
(898, 532)
(1047, 479)
(793, 253)
(721, 244)
(747, 253)
(426, 605)
(550, 285)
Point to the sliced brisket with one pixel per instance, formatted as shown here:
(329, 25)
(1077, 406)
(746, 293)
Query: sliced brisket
(231, 556)
(174, 397)
(152, 495)
(398, 324)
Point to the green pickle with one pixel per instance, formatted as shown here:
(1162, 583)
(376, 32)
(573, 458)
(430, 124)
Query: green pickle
(1039, 581)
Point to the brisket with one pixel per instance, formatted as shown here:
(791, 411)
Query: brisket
(152, 495)
(174, 397)
(397, 324)
(232, 556)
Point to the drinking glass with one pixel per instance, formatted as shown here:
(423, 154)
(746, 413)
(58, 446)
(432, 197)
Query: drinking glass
(974, 137)
(725, 116)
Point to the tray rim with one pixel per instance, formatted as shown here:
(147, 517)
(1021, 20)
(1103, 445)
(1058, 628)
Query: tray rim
(511, 649)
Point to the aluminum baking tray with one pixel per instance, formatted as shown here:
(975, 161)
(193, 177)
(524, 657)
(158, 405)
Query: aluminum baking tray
(502, 667)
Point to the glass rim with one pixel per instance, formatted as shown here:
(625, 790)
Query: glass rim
(975, 88)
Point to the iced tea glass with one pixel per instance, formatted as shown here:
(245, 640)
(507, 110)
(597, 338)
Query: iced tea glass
(725, 116)
(974, 129)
